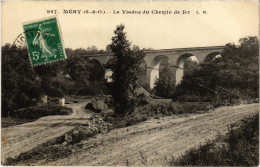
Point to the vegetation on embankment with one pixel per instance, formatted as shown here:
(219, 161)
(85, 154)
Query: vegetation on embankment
(36, 112)
(145, 112)
(33, 113)
(239, 148)
(62, 146)
(236, 69)
(9, 121)
(24, 85)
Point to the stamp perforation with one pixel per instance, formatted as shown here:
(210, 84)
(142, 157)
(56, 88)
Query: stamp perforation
(60, 36)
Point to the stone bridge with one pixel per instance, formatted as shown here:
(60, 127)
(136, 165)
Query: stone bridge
(175, 57)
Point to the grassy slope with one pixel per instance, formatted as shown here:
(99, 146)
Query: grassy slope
(9, 121)
(239, 148)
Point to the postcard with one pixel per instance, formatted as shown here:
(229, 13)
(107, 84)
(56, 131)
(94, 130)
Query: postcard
(130, 83)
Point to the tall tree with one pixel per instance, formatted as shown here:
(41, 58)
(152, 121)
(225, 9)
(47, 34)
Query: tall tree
(125, 71)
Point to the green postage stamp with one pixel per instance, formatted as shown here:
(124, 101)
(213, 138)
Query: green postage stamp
(44, 41)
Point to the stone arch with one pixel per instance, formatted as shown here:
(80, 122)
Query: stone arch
(212, 56)
(108, 71)
(181, 65)
(154, 72)
(110, 62)
(108, 75)
(94, 61)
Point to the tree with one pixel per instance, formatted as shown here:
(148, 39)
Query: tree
(125, 71)
(19, 83)
(108, 49)
(78, 69)
(135, 48)
(237, 70)
(92, 49)
(164, 86)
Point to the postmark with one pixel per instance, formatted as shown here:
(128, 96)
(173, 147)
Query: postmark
(44, 41)
(20, 42)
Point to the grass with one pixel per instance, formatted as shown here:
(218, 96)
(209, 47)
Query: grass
(10, 121)
(157, 110)
(36, 112)
(50, 151)
(239, 148)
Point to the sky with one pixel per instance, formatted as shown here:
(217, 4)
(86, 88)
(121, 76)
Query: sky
(224, 22)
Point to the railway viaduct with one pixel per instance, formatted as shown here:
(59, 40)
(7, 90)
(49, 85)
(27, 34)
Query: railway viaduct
(175, 58)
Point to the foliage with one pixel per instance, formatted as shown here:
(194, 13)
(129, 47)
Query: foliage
(72, 74)
(194, 98)
(164, 86)
(90, 89)
(125, 71)
(242, 148)
(141, 99)
(9, 121)
(54, 92)
(77, 67)
(87, 74)
(236, 69)
(155, 110)
(53, 69)
(20, 87)
(36, 112)
(163, 109)
(23, 84)
(135, 48)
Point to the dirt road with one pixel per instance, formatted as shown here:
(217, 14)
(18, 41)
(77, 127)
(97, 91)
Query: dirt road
(147, 143)
(150, 142)
(22, 138)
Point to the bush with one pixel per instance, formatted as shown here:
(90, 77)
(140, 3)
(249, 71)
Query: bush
(9, 121)
(41, 111)
(242, 148)
(19, 82)
(54, 92)
(89, 90)
(173, 108)
(154, 110)
(90, 106)
(141, 100)
(164, 87)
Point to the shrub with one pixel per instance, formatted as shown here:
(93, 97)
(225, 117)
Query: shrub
(242, 148)
(173, 108)
(54, 92)
(41, 111)
(19, 82)
(154, 110)
(89, 90)
(90, 106)
(164, 87)
(120, 122)
(141, 100)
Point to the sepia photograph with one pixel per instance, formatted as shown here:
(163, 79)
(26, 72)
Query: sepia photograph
(129, 83)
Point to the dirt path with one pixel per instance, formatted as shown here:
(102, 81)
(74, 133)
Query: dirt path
(150, 142)
(22, 138)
